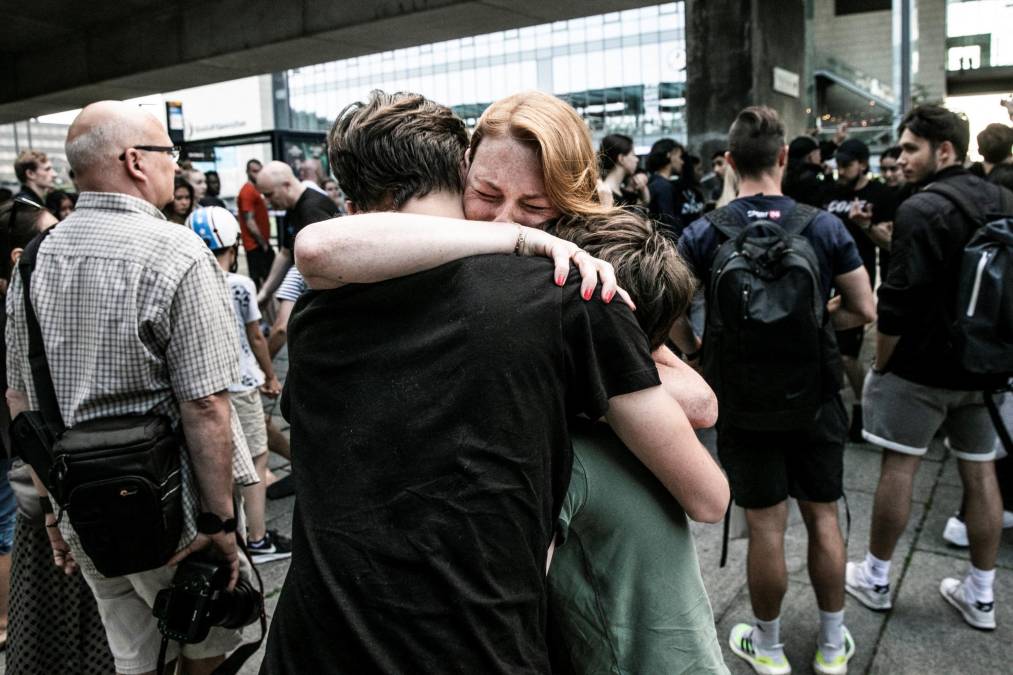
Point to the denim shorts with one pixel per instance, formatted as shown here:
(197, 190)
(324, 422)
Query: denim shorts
(8, 510)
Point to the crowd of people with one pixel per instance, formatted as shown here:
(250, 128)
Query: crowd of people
(501, 344)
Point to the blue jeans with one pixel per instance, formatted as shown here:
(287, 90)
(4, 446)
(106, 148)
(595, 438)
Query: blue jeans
(8, 510)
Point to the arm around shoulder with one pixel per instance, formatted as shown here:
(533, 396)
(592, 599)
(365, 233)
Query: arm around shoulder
(656, 430)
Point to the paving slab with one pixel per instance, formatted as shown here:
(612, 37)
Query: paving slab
(924, 634)
(944, 505)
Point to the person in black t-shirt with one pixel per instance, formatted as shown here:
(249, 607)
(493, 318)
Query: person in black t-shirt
(862, 204)
(280, 187)
(428, 490)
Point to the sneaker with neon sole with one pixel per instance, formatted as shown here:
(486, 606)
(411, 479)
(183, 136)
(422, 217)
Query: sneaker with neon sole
(839, 664)
(980, 615)
(764, 662)
(874, 596)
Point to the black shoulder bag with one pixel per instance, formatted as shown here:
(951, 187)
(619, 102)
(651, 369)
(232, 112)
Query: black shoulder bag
(117, 478)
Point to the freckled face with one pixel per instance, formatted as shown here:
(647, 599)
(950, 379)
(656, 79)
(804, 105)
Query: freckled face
(505, 184)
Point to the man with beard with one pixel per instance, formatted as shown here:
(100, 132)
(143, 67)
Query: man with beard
(859, 202)
(918, 385)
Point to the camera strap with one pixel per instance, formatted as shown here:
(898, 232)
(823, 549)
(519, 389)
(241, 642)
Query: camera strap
(49, 407)
(235, 660)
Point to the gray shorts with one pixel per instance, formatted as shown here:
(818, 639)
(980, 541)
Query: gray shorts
(904, 416)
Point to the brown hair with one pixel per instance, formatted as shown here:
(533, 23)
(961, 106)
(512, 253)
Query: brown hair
(395, 147)
(995, 143)
(647, 265)
(561, 140)
(754, 139)
(28, 160)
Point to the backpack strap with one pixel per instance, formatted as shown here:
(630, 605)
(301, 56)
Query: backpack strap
(41, 377)
(968, 207)
(799, 219)
(725, 221)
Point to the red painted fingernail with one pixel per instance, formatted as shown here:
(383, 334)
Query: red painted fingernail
(561, 279)
(608, 298)
(588, 293)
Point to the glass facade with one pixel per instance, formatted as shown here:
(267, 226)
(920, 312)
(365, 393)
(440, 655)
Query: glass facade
(624, 72)
(978, 34)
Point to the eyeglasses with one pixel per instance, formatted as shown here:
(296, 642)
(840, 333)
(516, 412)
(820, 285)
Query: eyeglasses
(172, 150)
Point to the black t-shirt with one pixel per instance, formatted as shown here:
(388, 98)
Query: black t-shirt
(311, 207)
(884, 204)
(430, 415)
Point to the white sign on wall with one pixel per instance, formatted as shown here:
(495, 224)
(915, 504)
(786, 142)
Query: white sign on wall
(786, 82)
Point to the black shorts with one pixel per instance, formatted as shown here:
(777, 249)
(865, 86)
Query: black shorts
(766, 467)
(849, 342)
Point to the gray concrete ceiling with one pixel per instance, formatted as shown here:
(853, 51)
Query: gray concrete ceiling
(62, 54)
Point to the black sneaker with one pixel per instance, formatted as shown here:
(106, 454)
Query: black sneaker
(273, 546)
(281, 488)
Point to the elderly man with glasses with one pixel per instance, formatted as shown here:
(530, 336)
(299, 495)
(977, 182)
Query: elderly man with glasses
(136, 319)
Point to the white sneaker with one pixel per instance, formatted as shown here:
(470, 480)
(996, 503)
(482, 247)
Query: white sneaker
(857, 584)
(1007, 519)
(770, 662)
(955, 532)
(839, 664)
(979, 615)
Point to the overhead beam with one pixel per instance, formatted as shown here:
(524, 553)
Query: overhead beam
(184, 45)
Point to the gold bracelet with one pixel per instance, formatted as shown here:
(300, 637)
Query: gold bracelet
(519, 246)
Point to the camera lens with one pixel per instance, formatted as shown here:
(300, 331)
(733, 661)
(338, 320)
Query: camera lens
(239, 608)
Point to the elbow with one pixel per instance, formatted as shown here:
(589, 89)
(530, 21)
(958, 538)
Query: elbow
(868, 312)
(711, 508)
(707, 415)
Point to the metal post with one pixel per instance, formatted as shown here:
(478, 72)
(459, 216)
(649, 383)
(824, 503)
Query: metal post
(902, 11)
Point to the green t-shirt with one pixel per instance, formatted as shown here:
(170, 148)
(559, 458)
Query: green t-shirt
(625, 589)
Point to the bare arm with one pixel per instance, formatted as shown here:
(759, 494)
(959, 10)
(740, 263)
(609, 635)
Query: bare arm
(370, 247)
(282, 263)
(251, 226)
(258, 344)
(885, 346)
(17, 401)
(208, 430)
(279, 331)
(687, 388)
(857, 306)
(657, 431)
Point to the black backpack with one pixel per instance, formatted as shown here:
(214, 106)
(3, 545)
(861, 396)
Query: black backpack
(768, 340)
(982, 329)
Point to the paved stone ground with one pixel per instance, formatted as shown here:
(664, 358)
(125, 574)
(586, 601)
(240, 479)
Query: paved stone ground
(921, 635)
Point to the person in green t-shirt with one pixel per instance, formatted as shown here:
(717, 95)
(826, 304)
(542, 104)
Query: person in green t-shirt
(625, 590)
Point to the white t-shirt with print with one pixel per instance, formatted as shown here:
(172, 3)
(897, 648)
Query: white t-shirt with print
(244, 301)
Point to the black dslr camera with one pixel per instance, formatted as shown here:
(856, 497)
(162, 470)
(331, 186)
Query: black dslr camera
(197, 600)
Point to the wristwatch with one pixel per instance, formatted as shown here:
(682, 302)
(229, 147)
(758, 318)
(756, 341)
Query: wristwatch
(209, 523)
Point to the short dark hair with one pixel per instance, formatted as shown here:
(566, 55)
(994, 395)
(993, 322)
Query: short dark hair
(646, 262)
(893, 152)
(754, 140)
(613, 146)
(660, 151)
(936, 124)
(395, 147)
(28, 160)
(995, 143)
(251, 162)
(716, 154)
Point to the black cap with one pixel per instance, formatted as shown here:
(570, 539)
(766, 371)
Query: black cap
(850, 150)
(802, 146)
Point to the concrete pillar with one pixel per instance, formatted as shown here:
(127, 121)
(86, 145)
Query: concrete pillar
(732, 50)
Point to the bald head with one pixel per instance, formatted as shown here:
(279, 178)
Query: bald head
(279, 185)
(107, 130)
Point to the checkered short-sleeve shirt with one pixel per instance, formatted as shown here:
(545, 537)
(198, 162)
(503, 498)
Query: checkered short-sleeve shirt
(135, 316)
